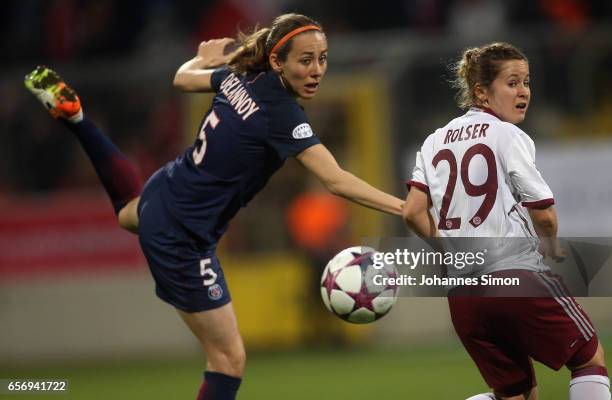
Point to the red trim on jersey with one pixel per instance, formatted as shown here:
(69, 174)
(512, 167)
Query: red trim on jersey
(489, 111)
(254, 79)
(539, 205)
(417, 184)
(525, 223)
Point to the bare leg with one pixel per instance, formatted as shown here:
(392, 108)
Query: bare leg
(128, 216)
(217, 332)
(598, 360)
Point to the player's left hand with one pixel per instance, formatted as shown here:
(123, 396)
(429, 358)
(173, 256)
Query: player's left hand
(551, 248)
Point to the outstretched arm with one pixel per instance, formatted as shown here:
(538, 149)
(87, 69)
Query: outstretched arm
(318, 160)
(545, 224)
(194, 75)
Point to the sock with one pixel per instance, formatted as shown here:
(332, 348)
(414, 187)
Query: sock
(117, 174)
(590, 383)
(217, 386)
(78, 117)
(483, 396)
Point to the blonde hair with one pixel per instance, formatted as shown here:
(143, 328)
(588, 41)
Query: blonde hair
(255, 47)
(480, 65)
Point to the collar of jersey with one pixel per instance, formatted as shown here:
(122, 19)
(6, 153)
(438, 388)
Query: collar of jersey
(484, 110)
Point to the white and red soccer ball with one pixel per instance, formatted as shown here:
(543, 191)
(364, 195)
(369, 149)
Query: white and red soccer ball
(348, 286)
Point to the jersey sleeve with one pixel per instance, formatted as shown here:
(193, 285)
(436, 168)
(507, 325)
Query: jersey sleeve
(218, 76)
(419, 175)
(527, 182)
(418, 178)
(290, 132)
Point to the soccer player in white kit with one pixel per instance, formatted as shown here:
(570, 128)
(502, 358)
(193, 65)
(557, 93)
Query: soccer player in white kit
(477, 177)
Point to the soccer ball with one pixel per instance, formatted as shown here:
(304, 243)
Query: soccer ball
(348, 289)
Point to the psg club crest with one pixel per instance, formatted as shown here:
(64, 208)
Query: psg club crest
(215, 292)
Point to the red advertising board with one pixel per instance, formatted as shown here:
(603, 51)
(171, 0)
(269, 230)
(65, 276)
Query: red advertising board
(63, 234)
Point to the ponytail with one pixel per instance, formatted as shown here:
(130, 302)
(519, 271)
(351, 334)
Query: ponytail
(251, 56)
(255, 47)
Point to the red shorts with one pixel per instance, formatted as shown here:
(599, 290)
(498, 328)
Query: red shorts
(503, 334)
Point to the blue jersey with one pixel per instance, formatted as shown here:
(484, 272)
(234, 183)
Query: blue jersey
(252, 127)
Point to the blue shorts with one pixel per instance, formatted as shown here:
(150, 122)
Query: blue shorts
(186, 276)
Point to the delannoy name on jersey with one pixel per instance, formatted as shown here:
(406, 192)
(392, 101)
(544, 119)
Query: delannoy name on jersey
(238, 96)
(466, 133)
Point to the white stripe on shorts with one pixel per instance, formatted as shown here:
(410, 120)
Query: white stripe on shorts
(573, 303)
(568, 306)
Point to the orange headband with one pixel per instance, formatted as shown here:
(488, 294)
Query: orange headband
(291, 34)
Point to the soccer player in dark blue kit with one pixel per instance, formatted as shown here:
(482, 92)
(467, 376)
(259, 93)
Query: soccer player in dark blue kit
(252, 127)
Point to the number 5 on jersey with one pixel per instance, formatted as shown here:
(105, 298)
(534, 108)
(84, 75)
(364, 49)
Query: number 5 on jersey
(209, 275)
(200, 144)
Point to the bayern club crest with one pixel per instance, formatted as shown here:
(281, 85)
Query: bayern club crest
(215, 292)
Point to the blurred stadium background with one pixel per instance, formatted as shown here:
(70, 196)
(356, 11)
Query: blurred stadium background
(76, 299)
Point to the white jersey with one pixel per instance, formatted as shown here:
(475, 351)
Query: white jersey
(480, 172)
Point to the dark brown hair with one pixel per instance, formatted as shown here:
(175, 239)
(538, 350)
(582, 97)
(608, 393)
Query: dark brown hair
(480, 65)
(255, 47)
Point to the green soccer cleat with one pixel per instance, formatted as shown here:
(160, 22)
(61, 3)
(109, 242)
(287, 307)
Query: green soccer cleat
(51, 90)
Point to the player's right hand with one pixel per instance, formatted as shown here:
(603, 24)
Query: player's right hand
(216, 52)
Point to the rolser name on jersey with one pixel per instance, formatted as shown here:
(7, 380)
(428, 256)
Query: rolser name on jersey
(238, 97)
(466, 133)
